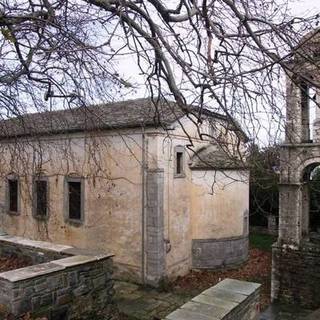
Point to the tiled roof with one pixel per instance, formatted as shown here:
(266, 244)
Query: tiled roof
(215, 158)
(125, 114)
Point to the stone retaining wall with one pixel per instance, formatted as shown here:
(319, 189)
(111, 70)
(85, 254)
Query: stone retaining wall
(228, 300)
(217, 253)
(295, 274)
(77, 287)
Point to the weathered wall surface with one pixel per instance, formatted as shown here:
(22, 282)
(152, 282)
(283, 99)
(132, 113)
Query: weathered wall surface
(220, 209)
(200, 204)
(111, 168)
(220, 204)
(114, 167)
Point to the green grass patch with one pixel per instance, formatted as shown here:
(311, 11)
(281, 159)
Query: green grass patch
(261, 241)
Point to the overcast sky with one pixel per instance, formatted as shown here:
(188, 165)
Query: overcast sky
(129, 70)
(305, 7)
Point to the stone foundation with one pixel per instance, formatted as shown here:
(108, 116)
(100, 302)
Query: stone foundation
(219, 253)
(75, 287)
(296, 274)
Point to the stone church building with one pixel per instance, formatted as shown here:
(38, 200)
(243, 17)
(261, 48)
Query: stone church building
(125, 178)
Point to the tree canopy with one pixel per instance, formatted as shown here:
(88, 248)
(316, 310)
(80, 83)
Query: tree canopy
(232, 55)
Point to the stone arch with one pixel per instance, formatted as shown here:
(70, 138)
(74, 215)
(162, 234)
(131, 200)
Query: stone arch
(307, 163)
(305, 172)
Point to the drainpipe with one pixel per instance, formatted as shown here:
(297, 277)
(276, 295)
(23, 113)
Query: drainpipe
(143, 215)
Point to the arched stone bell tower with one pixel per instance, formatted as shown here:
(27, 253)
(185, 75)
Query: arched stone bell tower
(296, 255)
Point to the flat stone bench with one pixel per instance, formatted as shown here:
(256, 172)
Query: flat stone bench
(228, 300)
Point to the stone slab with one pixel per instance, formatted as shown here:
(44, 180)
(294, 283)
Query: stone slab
(184, 314)
(229, 299)
(86, 252)
(214, 301)
(77, 260)
(225, 294)
(214, 312)
(35, 244)
(30, 272)
(237, 286)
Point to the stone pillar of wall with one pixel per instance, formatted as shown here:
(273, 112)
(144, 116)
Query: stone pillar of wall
(290, 224)
(316, 123)
(294, 130)
(155, 248)
(295, 274)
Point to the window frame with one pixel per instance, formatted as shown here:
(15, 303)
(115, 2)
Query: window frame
(181, 150)
(34, 197)
(75, 222)
(10, 212)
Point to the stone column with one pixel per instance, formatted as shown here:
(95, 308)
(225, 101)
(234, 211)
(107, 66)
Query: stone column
(316, 123)
(155, 247)
(305, 210)
(290, 224)
(294, 130)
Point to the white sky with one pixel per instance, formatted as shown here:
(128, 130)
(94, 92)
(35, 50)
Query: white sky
(305, 7)
(130, 71)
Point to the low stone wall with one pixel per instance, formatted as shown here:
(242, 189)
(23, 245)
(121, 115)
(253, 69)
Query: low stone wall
(218, 253)
(295, 274)
(77, 287)
(32, 251)
(228, 300)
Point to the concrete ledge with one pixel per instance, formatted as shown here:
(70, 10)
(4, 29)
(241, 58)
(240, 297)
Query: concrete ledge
(228, 300)
(217, 253)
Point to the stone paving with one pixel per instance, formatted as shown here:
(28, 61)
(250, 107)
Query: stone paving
(284, 312)
(141, 303)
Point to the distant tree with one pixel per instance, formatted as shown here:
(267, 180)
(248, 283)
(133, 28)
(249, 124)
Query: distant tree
(264, 178)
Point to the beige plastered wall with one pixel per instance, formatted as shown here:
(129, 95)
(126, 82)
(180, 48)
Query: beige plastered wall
(201, 204)
(110, 164)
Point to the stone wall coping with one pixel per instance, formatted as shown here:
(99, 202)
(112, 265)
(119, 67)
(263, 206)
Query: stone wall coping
(238, 286)
(217, 302)
(49, 267)
(77, 260)
(30, 272)
(75, 257)
(36, 244)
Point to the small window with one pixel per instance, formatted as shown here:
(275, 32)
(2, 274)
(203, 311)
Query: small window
(74, 199)
(179, 161)
(41, 198)
(179, 164)
(13, 195)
